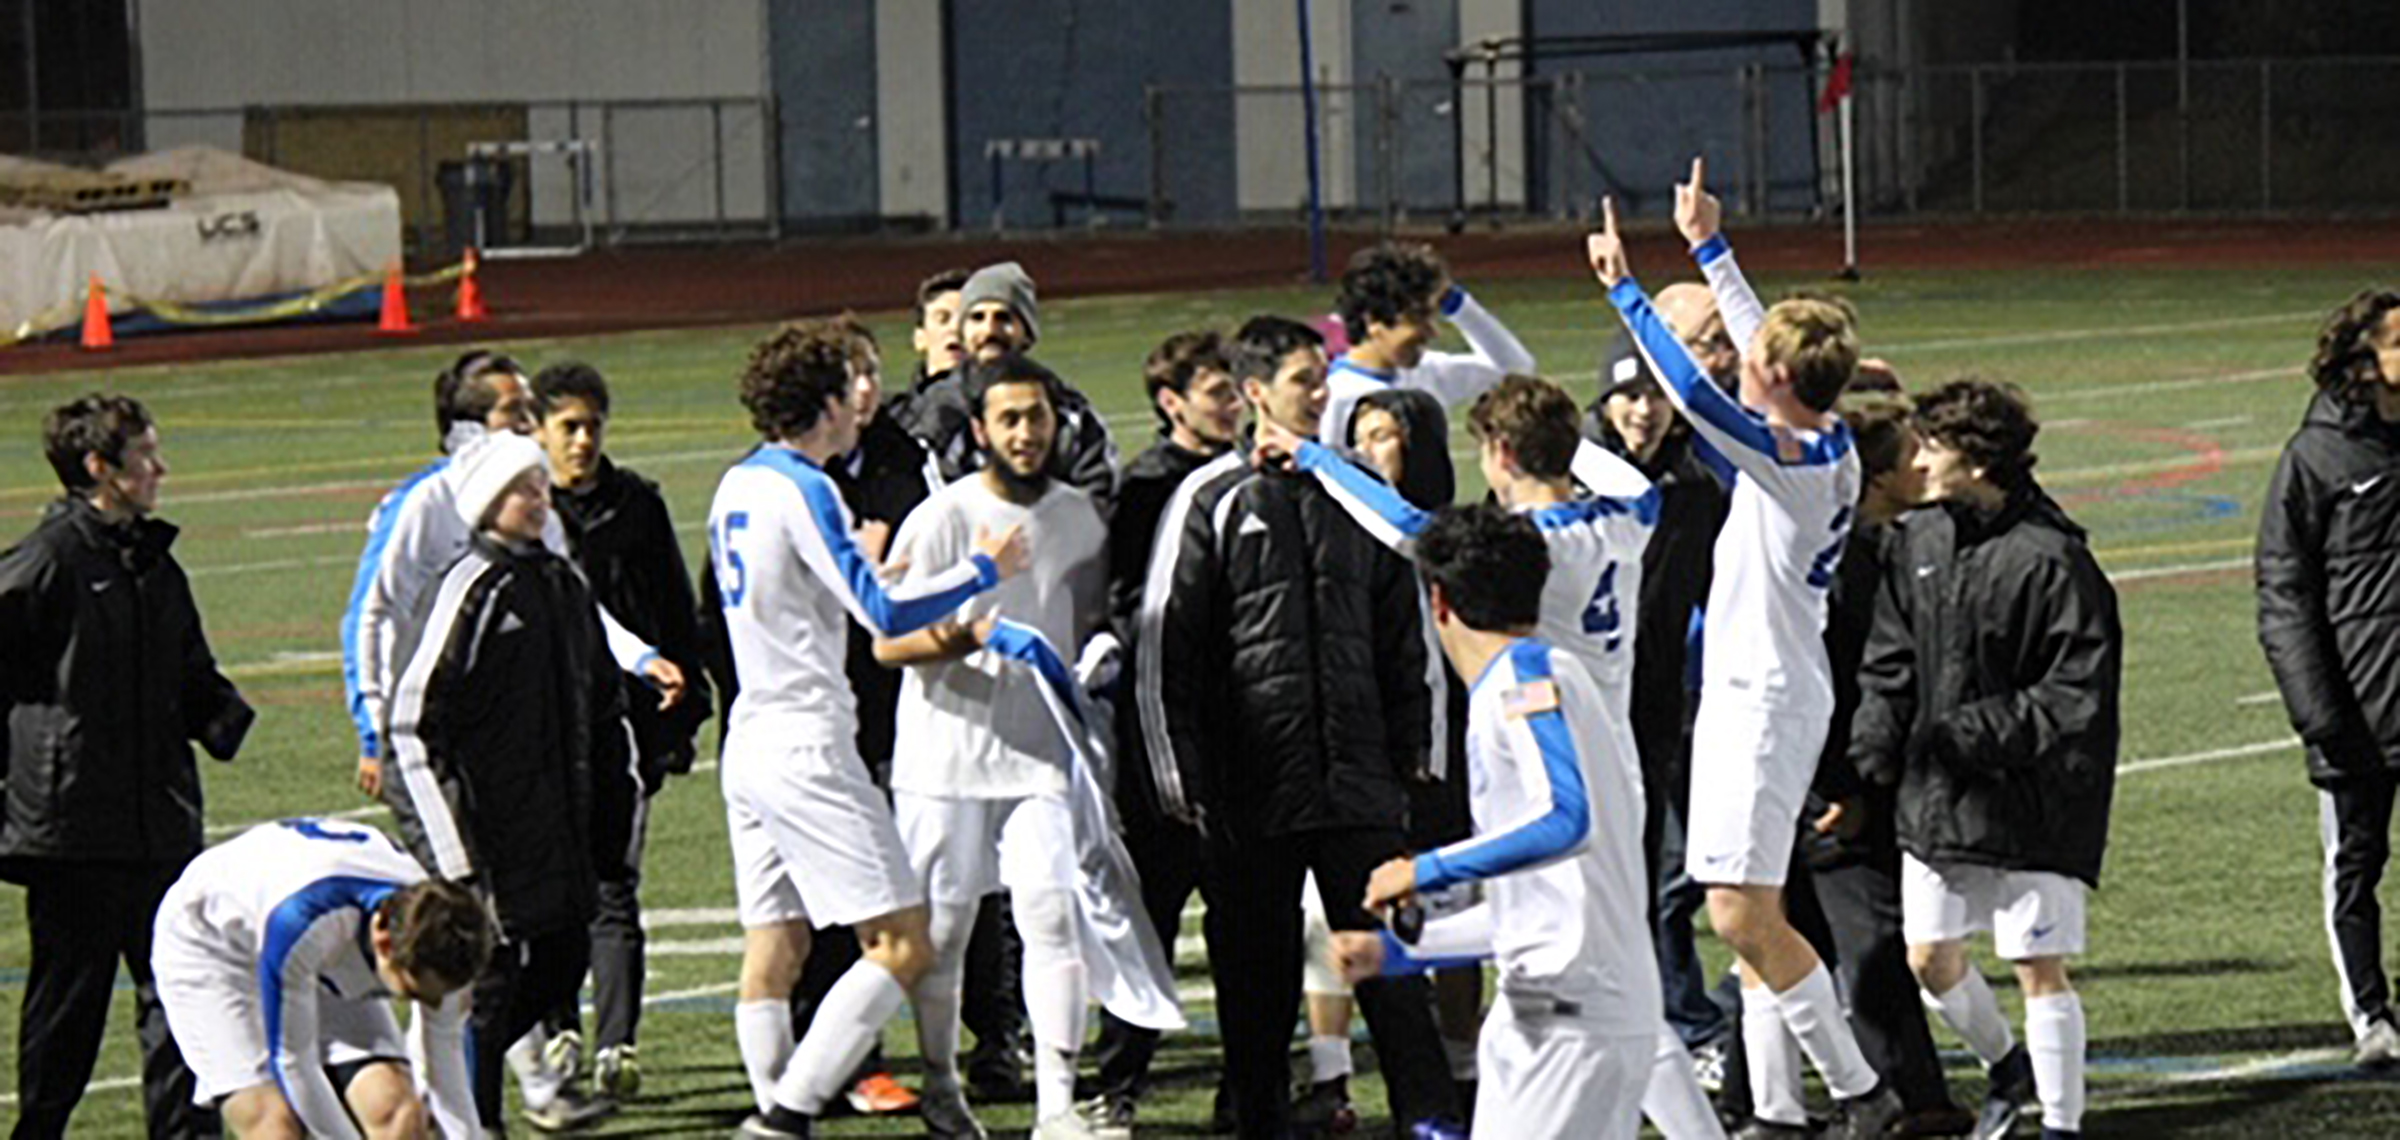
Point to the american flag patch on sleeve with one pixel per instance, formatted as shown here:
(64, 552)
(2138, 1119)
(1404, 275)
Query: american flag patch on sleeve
(1530, 698)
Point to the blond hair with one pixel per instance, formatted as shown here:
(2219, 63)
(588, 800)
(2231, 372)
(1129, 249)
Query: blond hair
(1817, 342)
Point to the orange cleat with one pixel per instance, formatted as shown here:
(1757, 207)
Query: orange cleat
(880, 1095)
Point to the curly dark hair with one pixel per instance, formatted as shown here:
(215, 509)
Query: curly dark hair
(1387, 282)
(98, 424)
(1490, 564)
(1991, 424)
(2345, 361)
(793, 373)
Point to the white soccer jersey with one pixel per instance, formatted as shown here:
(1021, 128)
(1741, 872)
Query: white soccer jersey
(1451, 377)
(787, 571)
(1557, 844)
(287, 906)
(1790, 512)
(413, 538)
(976, 727)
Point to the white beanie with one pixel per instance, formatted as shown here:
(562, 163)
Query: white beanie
(484, 470)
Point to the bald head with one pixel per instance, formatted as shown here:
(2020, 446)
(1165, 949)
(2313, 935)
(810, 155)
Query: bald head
(1691, 310)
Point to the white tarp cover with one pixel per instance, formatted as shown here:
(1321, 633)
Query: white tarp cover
(246, 230)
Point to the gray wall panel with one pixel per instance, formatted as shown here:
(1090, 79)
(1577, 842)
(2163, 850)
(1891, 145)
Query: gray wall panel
(824, 78)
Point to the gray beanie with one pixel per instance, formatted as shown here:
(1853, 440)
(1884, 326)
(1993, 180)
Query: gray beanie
(1008, 284)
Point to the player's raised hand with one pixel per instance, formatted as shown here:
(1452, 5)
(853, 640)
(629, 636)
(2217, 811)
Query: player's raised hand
(1698, 214)
(1606, 249)
(1008, 550)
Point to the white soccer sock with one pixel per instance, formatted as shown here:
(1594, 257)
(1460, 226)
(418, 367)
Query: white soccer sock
(1460, 1054)
(535, 1078)
(1329, 1058)
(937, 993)
(847, 1024)
(1672, 1098)
(2054, 1039)
(764, 1030)
(1776, 1093)
(1970, 1010)
(1814, 1012)
(1057, 995)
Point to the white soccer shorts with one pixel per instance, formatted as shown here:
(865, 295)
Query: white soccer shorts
(963, 849)
(813, 840)
(1553, 1071)
(1750, 773)
(2031, 914)
(213, 1011)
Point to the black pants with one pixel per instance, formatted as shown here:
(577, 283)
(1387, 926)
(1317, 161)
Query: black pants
(1170, 857)
(84, 919)
(992, 996)
(1258, 926)
(2355, 818)
(524, 981)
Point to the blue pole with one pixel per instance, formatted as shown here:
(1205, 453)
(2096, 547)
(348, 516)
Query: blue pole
(1308, 109)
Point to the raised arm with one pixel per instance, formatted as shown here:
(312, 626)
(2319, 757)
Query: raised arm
(1394, 521)
(1700, 218)
(1492, 352)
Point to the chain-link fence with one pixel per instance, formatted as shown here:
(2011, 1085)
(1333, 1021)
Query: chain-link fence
(661, 168)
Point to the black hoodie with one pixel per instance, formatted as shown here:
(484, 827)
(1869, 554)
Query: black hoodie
(2329, 586)
(1989, 691)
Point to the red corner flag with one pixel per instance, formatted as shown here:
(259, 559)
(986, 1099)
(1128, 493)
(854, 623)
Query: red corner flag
(1837, 85)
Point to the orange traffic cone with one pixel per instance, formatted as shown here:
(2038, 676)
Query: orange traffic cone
(470, 291)
(97, 335)
(395, 304)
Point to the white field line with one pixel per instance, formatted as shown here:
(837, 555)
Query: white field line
(2067, 336)
(2148, 572)
(695, 947)
(2145, 387)
(663, 917)
(2261, 748)
(2265, 697)
(2218, 422)
(119, 1084)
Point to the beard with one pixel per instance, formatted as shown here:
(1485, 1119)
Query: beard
(1020, 487)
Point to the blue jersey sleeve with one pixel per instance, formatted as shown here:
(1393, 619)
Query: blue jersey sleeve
(1377, 507)
(1565, 822)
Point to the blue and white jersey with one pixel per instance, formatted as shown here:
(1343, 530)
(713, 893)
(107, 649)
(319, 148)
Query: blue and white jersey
(788, 572)
(1596, 544)
(1558, 841)
(291, 904)
(1793, 500)
(1452, 377)
(413, 538)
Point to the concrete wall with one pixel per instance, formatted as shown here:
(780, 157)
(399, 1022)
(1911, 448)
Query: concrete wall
(824, 76)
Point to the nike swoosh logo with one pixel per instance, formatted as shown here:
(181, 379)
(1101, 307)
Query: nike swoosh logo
(2040, 932)
(2365, 485)
(1926, 571)
(101, 586)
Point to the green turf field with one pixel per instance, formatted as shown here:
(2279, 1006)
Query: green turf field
(2167, 395)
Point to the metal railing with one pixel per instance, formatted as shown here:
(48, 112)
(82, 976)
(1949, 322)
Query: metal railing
(666, 168)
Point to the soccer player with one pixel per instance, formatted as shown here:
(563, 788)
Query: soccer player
(812, 839)
(278, 954)
(1766, 687)
(979, 794)
(1568, 1047)
(2329, 619)
(1526, 431)
(416, 534)
(624, 541)
(1990, 697)
(1199, 409)
(511, 764)
(1389, 296)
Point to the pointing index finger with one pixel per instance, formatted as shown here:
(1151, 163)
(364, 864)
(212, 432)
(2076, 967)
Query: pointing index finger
(1699, 172)
(1608, 214)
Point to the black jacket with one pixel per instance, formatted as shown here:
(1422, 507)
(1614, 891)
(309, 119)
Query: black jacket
(512, 710)
(1281, 674)
(1849, 622)
(1677, 567)
(624, 540)
(935, 411)
(881, 482)
(1142, 495)
(106, 680)
(2328, 593)
(1989, 690)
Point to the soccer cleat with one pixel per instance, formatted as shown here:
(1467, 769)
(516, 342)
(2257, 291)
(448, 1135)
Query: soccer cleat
(1757, 1129)
(944, 1111)
(1872, 1115)
(1438, 1128)
(1325, 1109)
(1111, 1116)
(617, 1070)
(570, 1111)
(2011, 1088)
(563, 1054)
(1947, 1120)
(778, 1123)
(877, 1094)
(2379, 1050)
(1068, 1125)
(1708, 1066)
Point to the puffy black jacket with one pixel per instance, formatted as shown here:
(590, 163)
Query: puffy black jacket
(2329, 586)
(1149, 482)
(935, 411)
(508, 729)
(106, 680)
(625, 541)
(1989, 691)
(1280, 674)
